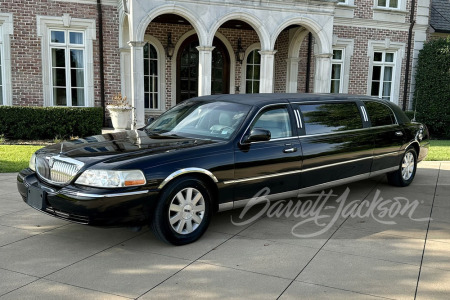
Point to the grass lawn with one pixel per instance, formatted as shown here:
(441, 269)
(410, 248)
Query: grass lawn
(14, 158)
(439, 150)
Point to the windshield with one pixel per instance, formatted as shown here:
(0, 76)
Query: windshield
(212, 120)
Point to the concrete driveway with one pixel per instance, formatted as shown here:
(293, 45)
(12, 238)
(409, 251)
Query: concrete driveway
(357, 250)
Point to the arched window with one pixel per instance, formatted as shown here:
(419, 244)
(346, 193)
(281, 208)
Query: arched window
(151, 79)
(253, 72)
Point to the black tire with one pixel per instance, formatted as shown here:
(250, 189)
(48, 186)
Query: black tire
(170, 207)
(405, 174)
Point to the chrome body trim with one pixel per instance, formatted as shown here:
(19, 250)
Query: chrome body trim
(187, 171)
(337, 164)
(303, 191)
(261, 177)
(366, 118)
(333, 133)
(79, 194)
(379, 172)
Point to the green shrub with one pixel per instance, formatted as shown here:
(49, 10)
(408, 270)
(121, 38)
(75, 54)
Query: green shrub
(32, 123)
(432, 94)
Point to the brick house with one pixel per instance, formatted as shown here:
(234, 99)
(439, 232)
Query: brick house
(160, 52)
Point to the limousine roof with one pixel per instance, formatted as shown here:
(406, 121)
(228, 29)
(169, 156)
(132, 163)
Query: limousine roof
(260, 100)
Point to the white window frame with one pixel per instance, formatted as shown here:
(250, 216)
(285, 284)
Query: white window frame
(400, 6)
(340, 62)
(347, 45)
(250, 49)
(161, 73)
(6, 30)
(44, 26)
(387, 46)
(67, 46)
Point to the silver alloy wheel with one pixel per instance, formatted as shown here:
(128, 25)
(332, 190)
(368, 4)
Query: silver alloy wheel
(407, 166)
(186, 210)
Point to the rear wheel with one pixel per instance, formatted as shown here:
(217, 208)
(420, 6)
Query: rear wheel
(405, 174)
(183, 212)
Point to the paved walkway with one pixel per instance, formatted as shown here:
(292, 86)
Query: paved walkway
(355, 258)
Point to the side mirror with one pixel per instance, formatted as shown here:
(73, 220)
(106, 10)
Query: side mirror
(150, 120)
(258, 135)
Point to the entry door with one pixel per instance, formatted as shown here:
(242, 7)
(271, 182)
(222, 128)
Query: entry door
(270, 167)
(187, 69)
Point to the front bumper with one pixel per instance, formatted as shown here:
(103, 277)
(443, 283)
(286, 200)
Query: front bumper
(97, 207)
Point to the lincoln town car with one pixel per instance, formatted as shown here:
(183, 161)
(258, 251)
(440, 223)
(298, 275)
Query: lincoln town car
(215, 153)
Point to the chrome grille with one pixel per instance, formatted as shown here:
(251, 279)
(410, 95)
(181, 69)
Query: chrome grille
(57, 169)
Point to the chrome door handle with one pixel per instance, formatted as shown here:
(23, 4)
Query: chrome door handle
(398, 133)
(290, 150)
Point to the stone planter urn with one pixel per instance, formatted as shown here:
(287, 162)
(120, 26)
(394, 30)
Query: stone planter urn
(120, 112)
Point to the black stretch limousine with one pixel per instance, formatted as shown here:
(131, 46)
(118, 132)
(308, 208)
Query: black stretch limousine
(217, 152)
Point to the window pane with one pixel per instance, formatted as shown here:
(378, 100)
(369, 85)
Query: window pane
(153, 53)
(376, 73)
(146, 67)
(375, 88)
(378, 56)
(336, 71)
(59, 96)
(325, 118)
(146, 83)
(249, 87)
(379, 114)
(146, 100)
(389, 57)
(250, 72)
(76, 58)
(276, 121)
(393, 3)
(257, 57)
(256, 72)
(146, 53)
(382, 3)
(76, 38)
(387, 73)
(58, 37)
(335, 86)
(77, 77)
(387, 90)
(59, 77)
(153, 67)
(256, 87)
(337, 54)
(58, 58)
(77, 97)
(250, 58)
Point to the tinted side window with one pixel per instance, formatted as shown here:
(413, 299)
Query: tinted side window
(379, 114)
(276, 120)
(330, 117)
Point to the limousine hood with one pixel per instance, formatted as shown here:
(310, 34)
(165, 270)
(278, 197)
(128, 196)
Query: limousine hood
(119, 146)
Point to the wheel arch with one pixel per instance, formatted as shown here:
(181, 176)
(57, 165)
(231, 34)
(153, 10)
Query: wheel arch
(204, 175)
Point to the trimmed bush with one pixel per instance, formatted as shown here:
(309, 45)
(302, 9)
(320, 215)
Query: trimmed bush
(33, 123)
(432, 94)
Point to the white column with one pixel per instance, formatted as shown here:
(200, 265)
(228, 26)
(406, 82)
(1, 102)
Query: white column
(204, 70)
(267, 71)
(322, 81)
(137, 83)
(292, 74)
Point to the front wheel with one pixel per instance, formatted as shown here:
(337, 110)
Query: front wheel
(405, 174)
(183, 212)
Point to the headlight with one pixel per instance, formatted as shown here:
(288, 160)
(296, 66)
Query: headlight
(113, 179)
(32, 164)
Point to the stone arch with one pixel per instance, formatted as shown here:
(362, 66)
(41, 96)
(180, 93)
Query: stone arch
(253, 21)
(323, 41)
(194, 20)
(229, 47)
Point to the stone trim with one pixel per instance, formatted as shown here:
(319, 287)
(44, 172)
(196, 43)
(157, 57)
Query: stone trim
(6, 30)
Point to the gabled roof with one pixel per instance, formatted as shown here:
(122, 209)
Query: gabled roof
(440, 15)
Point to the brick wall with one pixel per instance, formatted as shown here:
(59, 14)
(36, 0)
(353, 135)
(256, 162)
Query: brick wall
(26, 57)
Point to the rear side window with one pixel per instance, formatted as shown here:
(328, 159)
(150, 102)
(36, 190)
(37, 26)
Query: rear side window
(330, 117)
(379, 114)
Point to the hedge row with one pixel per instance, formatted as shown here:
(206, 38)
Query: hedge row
(432, 94)
(33, 123)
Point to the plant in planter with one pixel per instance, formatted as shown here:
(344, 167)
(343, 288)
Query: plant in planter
(120, 112)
